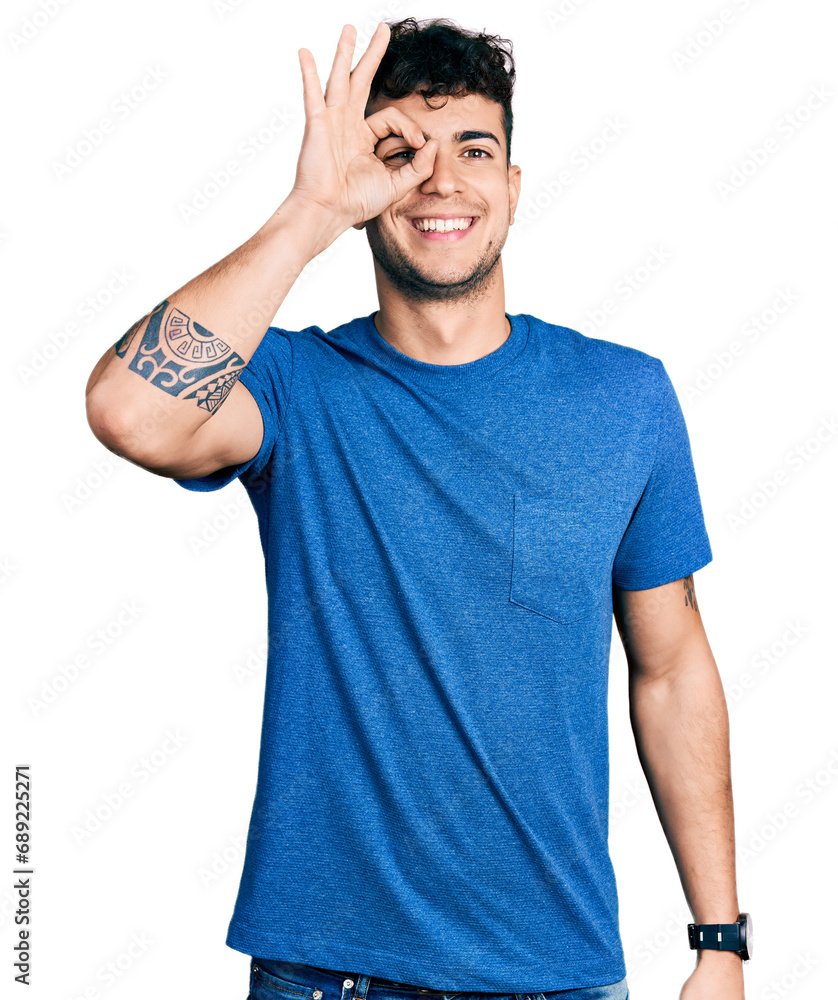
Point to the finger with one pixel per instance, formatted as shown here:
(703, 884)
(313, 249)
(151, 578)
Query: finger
(361, 77)
(391, 121)
(337, 86)
(416, 170)
(312, 94)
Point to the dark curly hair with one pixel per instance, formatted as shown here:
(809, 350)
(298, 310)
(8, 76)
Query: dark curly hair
(436, 57)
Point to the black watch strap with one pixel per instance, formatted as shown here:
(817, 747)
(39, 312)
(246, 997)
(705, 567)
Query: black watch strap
(720, 937)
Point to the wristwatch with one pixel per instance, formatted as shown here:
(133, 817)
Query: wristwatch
(738, 937)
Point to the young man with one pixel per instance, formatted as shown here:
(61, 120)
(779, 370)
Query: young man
(452, 503)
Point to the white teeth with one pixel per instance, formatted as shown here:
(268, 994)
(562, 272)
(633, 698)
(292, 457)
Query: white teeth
(441, 225)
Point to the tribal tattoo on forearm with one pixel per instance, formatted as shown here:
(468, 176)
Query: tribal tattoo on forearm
(689, 593)
(181, 357)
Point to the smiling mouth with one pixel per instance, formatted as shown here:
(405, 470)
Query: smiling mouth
(437, 225)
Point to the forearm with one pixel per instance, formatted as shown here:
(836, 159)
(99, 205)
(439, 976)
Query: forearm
(680, 723)
(201, 335)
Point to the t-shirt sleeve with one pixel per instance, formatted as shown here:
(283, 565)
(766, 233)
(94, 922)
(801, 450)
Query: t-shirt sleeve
(267, 376)
(666, 538)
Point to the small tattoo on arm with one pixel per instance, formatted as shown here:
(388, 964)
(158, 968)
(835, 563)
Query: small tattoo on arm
(689, 593)
(181, 357)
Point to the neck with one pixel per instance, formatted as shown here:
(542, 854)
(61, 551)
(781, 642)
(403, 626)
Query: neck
(452, 332)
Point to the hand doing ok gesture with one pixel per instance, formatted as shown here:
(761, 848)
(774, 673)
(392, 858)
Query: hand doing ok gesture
(337, 169)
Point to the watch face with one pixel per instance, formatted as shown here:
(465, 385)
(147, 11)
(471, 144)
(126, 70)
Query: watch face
(747, 932)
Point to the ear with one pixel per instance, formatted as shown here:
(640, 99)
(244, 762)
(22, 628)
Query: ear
(514, 191)
(360, 225)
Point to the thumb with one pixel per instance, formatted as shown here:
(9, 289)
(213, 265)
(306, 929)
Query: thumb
(416, 170)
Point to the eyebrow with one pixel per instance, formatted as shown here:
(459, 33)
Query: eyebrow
(466, 135)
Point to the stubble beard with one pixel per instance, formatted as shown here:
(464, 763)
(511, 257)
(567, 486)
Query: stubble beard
(417, 286)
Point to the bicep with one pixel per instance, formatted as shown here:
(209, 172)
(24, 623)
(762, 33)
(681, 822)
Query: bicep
(658, 626)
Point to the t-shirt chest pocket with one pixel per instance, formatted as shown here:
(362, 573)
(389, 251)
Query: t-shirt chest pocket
(562, 554)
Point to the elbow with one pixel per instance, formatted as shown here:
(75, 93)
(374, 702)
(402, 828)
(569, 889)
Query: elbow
(106, 420)
(122, 432)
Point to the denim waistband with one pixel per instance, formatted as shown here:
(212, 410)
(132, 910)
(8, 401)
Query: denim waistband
(338, 975)
(301, 981)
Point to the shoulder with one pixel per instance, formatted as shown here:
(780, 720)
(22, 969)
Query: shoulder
(601, 361)
(311, 337)
(279, 345)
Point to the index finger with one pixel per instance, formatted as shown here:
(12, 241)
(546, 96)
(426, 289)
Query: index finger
(361, 77)
(390, 121)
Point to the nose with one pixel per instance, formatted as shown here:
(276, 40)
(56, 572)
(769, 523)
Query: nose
(445, 179)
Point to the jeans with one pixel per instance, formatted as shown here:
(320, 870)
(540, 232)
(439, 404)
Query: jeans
(274, 980)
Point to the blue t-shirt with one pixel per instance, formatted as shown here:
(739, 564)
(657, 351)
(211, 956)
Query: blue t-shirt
(440, 545)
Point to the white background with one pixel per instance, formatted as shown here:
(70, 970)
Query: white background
(88, 535)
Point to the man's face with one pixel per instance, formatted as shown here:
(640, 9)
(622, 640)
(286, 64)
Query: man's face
(471, 180)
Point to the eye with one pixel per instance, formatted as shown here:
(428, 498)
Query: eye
(402, 152)
(484, 154)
